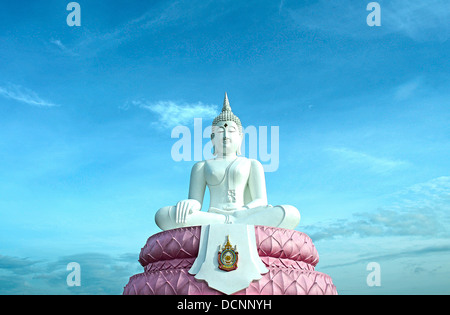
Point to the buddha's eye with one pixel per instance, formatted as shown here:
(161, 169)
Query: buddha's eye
(231, 129)
(220, 130)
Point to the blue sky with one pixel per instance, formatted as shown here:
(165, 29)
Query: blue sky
(85, 139)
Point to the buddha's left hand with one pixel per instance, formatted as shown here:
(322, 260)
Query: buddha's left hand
(185, 207)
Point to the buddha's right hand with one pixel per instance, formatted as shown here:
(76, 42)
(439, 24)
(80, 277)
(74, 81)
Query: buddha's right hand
(185, 207)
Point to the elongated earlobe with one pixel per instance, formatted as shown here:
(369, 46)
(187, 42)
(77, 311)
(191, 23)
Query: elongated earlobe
(214, 147)
(240, 145)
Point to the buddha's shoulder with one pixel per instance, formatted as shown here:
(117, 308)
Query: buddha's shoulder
(255, 163)
(198, 166)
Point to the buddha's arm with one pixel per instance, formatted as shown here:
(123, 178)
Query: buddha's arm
(257, 185)
(197, 183)
(197, 188)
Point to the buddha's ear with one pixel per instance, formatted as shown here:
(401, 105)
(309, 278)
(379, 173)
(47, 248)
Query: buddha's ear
(214, 147)
(239, 147)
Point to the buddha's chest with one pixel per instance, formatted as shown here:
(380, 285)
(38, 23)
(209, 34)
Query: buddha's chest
(230, 173)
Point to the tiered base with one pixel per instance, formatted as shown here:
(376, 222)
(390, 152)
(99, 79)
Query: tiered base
(289, 255)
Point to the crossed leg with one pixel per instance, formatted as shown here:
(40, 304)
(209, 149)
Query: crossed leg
(283, 216)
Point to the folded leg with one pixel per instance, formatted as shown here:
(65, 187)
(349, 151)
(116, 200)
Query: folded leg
(165, 218)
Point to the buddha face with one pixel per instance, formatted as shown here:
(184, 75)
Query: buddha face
(226, 138)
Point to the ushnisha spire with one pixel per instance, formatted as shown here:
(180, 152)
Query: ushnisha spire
(227, 114)
(226, 104)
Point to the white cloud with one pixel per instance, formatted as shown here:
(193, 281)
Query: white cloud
(407, 89)
(58, 43)
(171, 114)
(419, 20)
(24, 95)
(416, 19)
(435, 190)
(62, 47)
(280, 6)
(100, 274)
(372, 163)
(419, 210)
(149, 22)
(334, 16)
(422, 251)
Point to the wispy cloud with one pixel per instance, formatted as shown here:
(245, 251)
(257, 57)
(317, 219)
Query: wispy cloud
(440, 185)
(427, 194)
(384, 222)
(419, 210)
(100, 274)
(280, 6)
(151, 21)
(419, 20)
(170, 114)
(17, 265)
(372, 163)
(427, 250)
(416, 19)
(407, 89)
(24, 95)
(334, 16)
(62, 47)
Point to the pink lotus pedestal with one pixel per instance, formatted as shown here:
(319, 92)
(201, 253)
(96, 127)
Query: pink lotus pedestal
(290, 256)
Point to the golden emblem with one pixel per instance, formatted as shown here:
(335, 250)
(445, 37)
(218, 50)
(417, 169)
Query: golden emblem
(228, 256)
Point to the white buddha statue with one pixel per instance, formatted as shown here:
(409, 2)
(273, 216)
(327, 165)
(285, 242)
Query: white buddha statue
(236, 184)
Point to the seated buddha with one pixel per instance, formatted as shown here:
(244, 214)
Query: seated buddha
(236, 184)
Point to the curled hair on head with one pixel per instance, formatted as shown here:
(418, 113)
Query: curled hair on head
(227, 115)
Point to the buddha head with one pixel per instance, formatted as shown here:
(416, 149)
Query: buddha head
(226, 135)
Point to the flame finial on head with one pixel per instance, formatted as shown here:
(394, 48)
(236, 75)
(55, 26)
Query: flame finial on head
(226, 104)
(227, 114)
